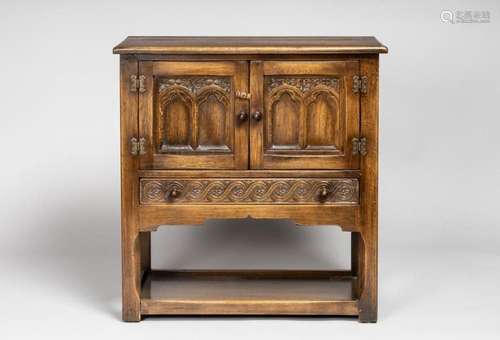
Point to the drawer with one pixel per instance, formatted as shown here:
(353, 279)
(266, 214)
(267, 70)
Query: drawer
(249, 191)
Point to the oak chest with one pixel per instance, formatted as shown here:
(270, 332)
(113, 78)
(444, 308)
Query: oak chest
(259, 127)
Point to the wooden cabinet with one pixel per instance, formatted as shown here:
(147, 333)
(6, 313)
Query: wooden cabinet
(240, 127)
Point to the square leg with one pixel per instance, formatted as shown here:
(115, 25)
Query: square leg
(364, 267)
(131, 276)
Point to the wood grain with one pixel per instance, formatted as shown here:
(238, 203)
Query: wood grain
(368, 240)
(131, 250)
(346, 217)
(251, 45)
(250, 173)
(256, 105)
(232, 293)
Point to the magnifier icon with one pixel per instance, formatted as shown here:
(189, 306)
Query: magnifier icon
(447, 17)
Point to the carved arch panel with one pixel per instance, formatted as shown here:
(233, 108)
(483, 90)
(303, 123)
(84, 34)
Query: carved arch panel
(324, 125)
(310, 114)
(303, 114)
(194, 115)
(213, 120)
(284, 122)
(175, 120)
(188, 114)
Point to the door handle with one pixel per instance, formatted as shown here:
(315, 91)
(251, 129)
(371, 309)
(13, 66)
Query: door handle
(172, 194)
(242, 116)
(257, 116)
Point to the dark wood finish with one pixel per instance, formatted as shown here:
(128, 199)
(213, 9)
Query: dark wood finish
(249, 45)
(249, 127)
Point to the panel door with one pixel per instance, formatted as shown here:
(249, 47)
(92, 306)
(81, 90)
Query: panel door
(304, 114)
(191, 117)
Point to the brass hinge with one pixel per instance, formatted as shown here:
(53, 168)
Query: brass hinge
(137, 83)
(359, 146)
(360, 84)
(137, 146)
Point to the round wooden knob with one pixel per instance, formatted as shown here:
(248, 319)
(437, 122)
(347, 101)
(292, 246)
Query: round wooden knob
(242, 116)
(174, 193)
(323, 194)
(257, 116)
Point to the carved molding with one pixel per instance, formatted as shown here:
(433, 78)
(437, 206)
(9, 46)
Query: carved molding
(282, 90)
(303, 84)
(249, 191)
(195, 84)
(176, 92)
(274, 99)
(313, 95)
(219, 94)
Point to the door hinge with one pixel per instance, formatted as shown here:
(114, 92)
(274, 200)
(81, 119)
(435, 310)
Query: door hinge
(360, 84)
(137, 146)
(359, 146)
(137, 83)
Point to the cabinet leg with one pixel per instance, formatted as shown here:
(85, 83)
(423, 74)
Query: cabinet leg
(366, 245)
(369, 195)
(131, 275)
(131, 244)
(145, 240)
(356, 258)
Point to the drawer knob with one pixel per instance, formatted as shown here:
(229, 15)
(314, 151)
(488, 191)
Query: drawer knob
(323, 194)
(257, 116)
(242, 116)
(172, 194)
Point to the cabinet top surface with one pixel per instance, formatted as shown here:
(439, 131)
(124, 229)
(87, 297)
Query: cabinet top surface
(248, 45)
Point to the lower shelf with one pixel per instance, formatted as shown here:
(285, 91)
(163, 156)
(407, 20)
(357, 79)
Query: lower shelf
(248, 293)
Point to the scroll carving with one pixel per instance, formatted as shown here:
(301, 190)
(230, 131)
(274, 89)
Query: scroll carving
(250, 191)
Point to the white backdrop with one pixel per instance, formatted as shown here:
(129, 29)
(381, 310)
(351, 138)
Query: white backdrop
(59, 197)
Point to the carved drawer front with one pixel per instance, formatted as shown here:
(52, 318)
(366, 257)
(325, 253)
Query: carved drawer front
(249, 191)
